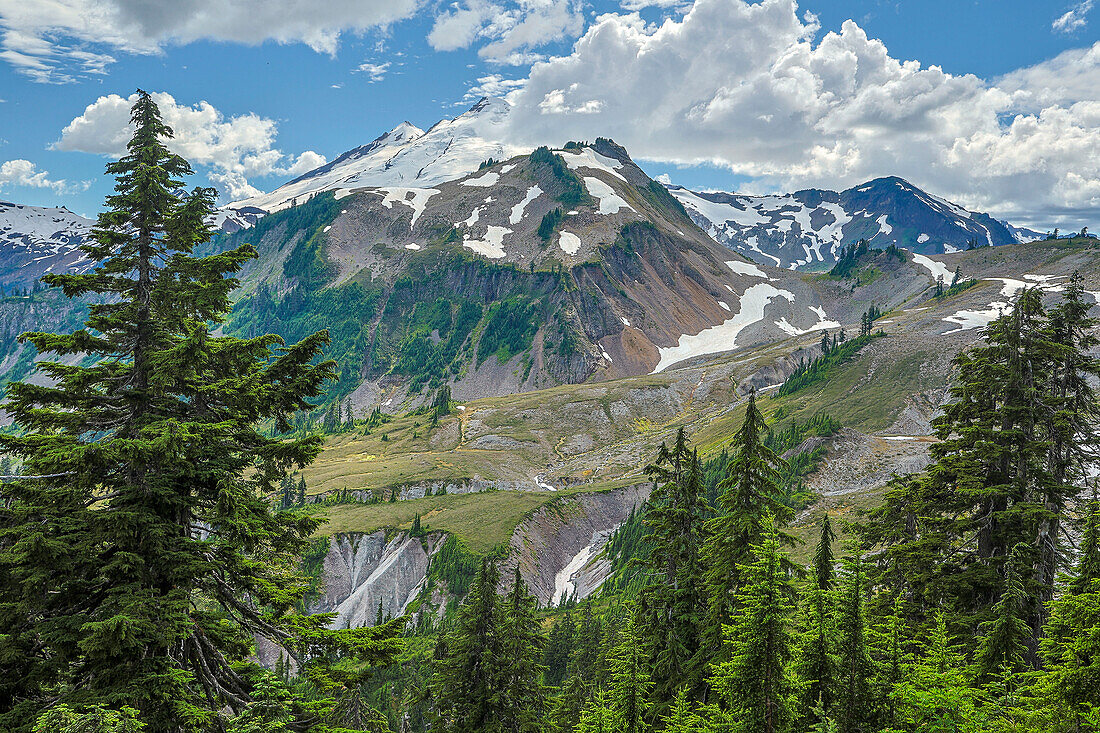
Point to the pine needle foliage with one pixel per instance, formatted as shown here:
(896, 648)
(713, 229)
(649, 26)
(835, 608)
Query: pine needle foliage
(140, 556)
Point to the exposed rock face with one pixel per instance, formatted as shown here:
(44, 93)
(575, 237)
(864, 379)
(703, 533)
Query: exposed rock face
(361, 571)
(545, 543)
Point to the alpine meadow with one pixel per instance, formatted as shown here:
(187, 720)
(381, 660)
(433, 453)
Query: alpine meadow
(712, 370)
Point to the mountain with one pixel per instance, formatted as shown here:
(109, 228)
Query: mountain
(404, 156)
(807, 229)
(555, 267)
(35, 240)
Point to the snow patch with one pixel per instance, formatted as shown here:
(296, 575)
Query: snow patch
(610, 202)
(413, 247)
(415, 198)
(723, 304)
(723, 337)
(570, 243)
(483, 181)
(493, 244)
(589, 158)
(517, 211)
(923, 238)
(935, 269)
(969, 319)
(746, 268)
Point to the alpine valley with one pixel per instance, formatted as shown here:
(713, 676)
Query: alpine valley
(517, 331)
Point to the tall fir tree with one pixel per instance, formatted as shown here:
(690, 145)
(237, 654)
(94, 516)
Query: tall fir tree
(465, 688)
(993, 482)
(630, 682)
(854, 711)
(816, 662)
(1005, 637)
(756, 682)
(750, 491)
(1071, 641)
(673, 597)
(559, 648)
(1070, 430)
(140, 556)
(520, 689)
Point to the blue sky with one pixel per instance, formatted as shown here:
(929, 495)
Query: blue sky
(338, 83)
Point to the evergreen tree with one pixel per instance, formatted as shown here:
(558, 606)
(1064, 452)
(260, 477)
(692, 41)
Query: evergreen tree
(823, 561)
(590, 634)
(673, 597)
(816, 663)
(681, 717)
(465, 684)
(140, 557)
(749, 492)
(756, 681)
(568, 706)
(558, 650)
(1003, 646)
(1088, 566)
(630, 682)
(933, 694)
(948, 533)
(522, 697)
(853, 698)
(1071, 642)
(1070, 430)
(597, 716)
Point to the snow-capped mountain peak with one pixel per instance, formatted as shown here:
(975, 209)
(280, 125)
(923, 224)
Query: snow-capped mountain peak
(35, 240)
(405, 156)
(810, 227)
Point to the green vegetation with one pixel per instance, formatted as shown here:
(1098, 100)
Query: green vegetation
(573, 191)
(480, 521)
(551, 220)
(821, 368)
(862, 255)
(346, 311)
(139, 555)
(510, 327)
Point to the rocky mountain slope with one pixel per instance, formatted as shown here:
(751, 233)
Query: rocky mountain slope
(557, 267)
(35, 240)
(807, 229)
(543, 447)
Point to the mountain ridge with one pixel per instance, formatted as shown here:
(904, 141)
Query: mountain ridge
(808, 228)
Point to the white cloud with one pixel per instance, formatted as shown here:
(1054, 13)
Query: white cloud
(21, 172)
(376, 72)
(234, 149)
(511, 31)
(757, 89)
(1068, 77)
(56, 40)
(492, 85)
(1073, 19)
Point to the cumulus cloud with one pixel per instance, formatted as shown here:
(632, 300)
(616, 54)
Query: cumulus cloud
(57, 40)
(1073, 19)
(510, 31)
(22, 172)
(758, 89)
(233, 149)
